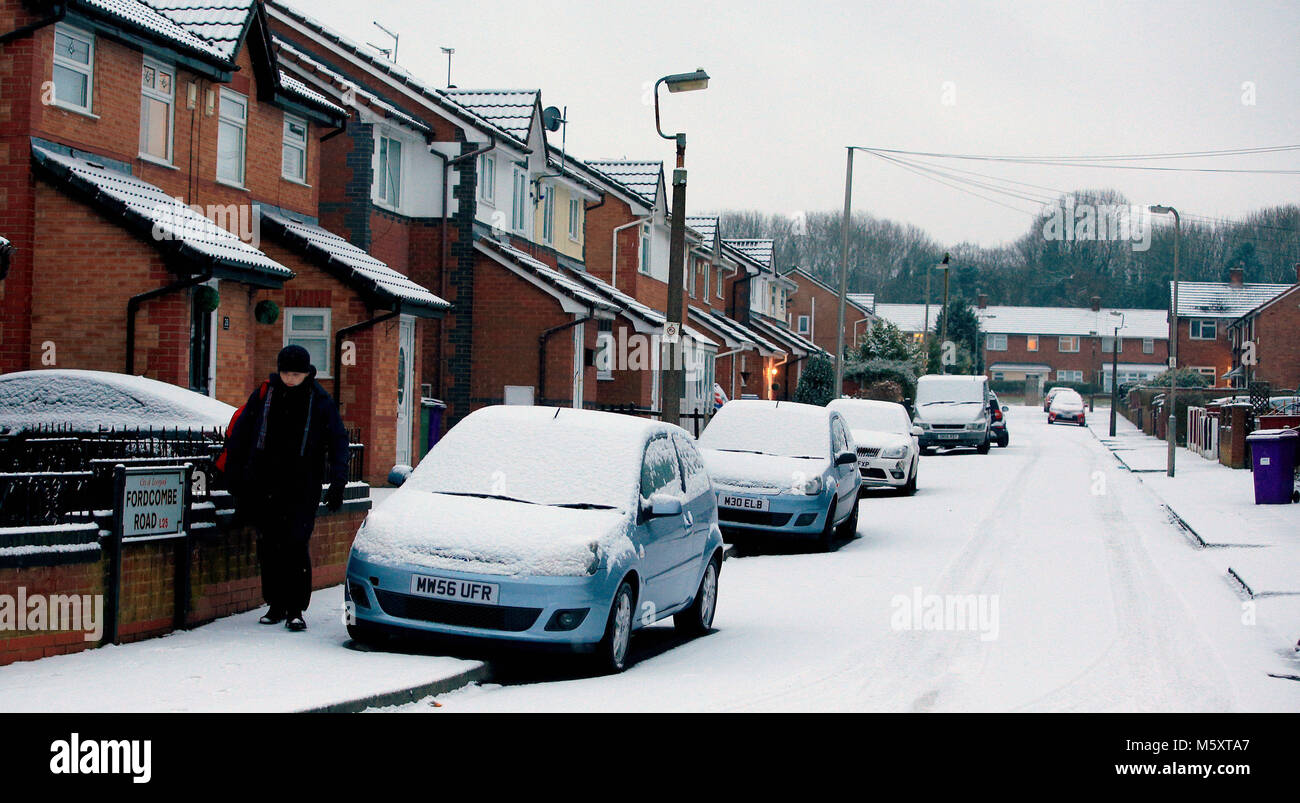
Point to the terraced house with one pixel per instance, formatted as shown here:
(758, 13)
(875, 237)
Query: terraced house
(161, 174)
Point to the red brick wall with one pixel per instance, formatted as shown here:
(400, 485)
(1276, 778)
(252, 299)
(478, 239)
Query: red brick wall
(1205, 353)
(225, 579)
(824, 313)
(1277, 348)
(1090, 358)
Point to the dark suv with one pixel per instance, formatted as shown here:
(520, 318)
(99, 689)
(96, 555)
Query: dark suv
(997, 421)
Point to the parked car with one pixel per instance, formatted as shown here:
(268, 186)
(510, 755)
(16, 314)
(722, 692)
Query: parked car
(559, 527)
(889, 454)
(784, 468)
(998, 421)
(1047, 400)
(87, 401)
(1067, 406)
(952, 411)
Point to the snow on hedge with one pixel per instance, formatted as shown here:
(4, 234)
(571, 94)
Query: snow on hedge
(89, 400)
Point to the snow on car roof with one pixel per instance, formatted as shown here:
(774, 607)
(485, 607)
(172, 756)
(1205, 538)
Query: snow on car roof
(780, 428)
(90, 400)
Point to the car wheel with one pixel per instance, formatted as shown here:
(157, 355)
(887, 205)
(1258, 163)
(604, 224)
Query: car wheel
(849, 527)
(983, 448)
(365, 635)
(611, 655)
(1083, 423)
(698, 618)
(910, 488)
(1004, 438)
(927, 451)
(827, 539)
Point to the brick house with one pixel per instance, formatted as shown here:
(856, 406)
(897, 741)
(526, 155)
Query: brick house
(182, 148)
(814, 309)
(1205, 312)
(1272, 328)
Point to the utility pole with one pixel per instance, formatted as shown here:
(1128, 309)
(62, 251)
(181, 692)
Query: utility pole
(1114, 371)
(1171, 434)
(844, 272)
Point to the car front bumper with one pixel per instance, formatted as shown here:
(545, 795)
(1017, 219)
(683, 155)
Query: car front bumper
(884, 472)
(789, 514)
(935, 439)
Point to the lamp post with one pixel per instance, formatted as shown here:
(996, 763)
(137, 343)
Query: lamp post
(1114, 370)
(943, 336)
(925, 333)
(1171, 435)
(844, 272)
(671, 374)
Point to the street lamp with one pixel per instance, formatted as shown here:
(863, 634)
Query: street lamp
(671, 375)
(1114, 369)
(1171, 435)
(925, 333)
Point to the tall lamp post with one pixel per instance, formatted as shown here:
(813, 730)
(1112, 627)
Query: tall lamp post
(943, 336)
(1171, 434)
(1114, 370)
(925, 334)
(845, 223)
(671, 374)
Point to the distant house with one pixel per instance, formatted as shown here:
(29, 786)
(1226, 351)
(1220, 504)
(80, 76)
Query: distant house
(813, 312)
(1206, 310)
(1270, 330)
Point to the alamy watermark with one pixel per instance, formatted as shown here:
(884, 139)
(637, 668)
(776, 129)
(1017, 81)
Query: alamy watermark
(23, 612)
(952, 612)
(1074, 221)
(180, 221)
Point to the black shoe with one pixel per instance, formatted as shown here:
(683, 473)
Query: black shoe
(273, 617)
(295, 622)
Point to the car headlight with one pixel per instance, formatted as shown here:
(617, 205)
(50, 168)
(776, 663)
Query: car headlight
(812, 486)
(921, 424)
(894, 452)
(976, 425)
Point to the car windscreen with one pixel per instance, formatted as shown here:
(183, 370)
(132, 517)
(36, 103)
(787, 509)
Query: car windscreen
(791, 432)
(548, 463)
(875, 418)
(1067, 397)
(935, 391)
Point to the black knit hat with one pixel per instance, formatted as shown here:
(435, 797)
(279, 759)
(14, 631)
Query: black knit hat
(295, 359)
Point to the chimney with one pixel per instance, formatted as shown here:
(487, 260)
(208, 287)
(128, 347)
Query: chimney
(982, 300)
(1096, 303)
(1235, 276)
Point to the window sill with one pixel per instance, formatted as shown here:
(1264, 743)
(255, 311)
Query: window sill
(293, 180)
(228, 183)
(68, 107)
(154, 160)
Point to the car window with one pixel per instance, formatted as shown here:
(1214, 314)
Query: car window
(839, 436)
(659, 469)
(694, 477)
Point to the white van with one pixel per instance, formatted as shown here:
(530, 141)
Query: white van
(952, 411)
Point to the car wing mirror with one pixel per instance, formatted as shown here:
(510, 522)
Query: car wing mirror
(917, 431)
(1005, 408)
(662, 505)
(846, 458)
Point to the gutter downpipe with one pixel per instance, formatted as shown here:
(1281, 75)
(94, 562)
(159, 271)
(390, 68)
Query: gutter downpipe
(61, 11)
(541, 351)
(338, 345)
(613, 268)
(731, 353)
(133, 307)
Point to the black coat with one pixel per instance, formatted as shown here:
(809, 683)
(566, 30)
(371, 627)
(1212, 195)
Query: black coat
(302, 445)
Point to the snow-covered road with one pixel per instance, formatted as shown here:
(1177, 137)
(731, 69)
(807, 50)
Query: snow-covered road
(1092, 601)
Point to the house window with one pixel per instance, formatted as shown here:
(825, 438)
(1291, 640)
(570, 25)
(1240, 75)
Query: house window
(1068, 343)
(232, 132)
(1205, 370)
(704, 272)
(487, 178)
(694, 275)
(519, 202)
(1069, 376)
(575, 219)
(157, 98)
(802, 326)
(645, 249)
(74, 68)
(604, 350)
(1108, 345)
(1148, 345)
(1031, 342)
(293, 164)
(994, 342)
(389, 176)
(309, 327)
(548, 214)
(1204, 329)
(719, 293)
(998, 376)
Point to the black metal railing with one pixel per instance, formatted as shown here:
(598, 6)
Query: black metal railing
(692, 421)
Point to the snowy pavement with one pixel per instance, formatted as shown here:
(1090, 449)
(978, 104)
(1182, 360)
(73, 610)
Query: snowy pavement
(1094, 600)
(232, 665)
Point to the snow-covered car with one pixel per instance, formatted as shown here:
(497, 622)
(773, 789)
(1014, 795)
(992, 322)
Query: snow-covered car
(952, 411)
(1067, 406)
(1051, 394)
(889, 454)
(783, 468)
(998, 421)
(86, 401)
(541, 525)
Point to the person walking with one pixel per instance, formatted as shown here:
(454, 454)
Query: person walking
(287, 439)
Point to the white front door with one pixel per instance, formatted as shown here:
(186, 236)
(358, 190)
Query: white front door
(405, 388)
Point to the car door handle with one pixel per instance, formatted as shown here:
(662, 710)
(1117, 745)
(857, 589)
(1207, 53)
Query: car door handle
(688, 518)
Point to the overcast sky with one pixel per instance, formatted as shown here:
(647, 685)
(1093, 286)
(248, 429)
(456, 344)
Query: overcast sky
(793, 83)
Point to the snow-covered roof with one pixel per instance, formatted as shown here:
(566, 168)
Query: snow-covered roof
(651, 319)
(863, 301)
(739, 332)
(550, 277)
(705, 226)
(759, 250)
(858, 301)
(152, 210)
(303, 61)
(220, 23)
(359, 267)
(642, 178)
(297, 88)
(797, 343)
(907, 317)
(89, 400)
(1033, 367)
(1221, 299)
(1082, 321)
(510, 110)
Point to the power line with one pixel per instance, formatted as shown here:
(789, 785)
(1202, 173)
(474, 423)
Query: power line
(1095, 161)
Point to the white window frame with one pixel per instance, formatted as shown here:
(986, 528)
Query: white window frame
(288, 143)
(1031, 342)
(1148, 345)
(995, 342)
(1196, 328)
(720, 281)
(519, 201)
(1063, 339)
(644, 267)
(692, 276)
(159, 69)
(1108, 343)
(383, 157)
(1205, 370)
(487, 178)
(327, 334)
(802, 324)
(87, 69)
(241, 124)
(548, 213)
(1067, 375)
(575, 219)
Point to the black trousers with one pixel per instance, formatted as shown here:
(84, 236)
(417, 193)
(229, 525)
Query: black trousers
(284, 530)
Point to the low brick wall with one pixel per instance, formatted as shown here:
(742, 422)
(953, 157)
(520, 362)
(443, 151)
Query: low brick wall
(224, 579)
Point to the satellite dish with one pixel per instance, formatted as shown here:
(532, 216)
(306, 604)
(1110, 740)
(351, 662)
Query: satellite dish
(551, 118)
